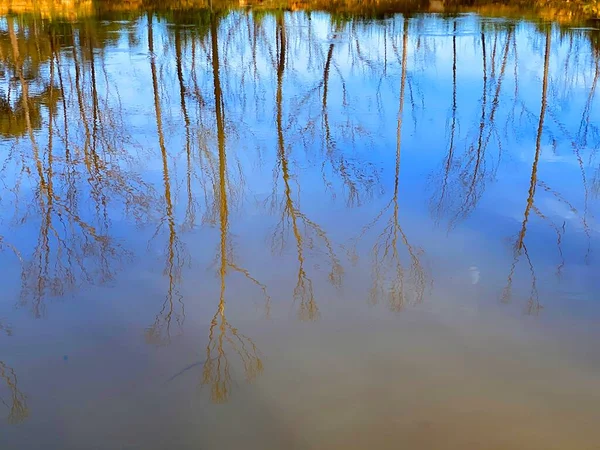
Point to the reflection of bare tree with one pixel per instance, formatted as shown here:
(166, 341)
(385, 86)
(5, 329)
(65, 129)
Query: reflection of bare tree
(449, 160)
(190, 213)
(72, 247)
(339, 132)
(559, 230)
(353, 178)
(473, 172)
(160, 331)
(69, 246)
(595, 184)
(579, 142)
(533, 305)
(464, 177)
(5, 244)
(17, 405)
(306, 232)
(388, 270)
(5, 328)
(217, 368)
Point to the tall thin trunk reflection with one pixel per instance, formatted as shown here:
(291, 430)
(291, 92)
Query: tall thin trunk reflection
(388, 271)
(533, 304)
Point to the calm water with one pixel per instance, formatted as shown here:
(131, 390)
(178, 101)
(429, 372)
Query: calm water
(294, 231)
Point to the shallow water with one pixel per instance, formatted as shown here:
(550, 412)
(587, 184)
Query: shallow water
(292, 230)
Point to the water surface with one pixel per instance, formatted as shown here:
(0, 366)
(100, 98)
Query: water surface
(298, 230)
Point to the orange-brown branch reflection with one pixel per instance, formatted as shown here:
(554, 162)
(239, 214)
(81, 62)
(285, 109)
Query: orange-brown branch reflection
(73, 246)
(473, 168)
(533, 304)
(173, 307)
(17, 403)
(306, 232)
(223, 337)
(388, 272)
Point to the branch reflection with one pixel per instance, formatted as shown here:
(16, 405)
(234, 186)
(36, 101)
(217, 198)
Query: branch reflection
(73, 246)
(223, 337)
(533, 304)
(306, 232)
(17, 402)
(160, 331)
(388, 272)
(108, 140)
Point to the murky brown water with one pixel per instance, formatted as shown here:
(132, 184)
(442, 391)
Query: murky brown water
(292, 231)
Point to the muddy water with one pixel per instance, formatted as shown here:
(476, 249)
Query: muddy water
(293, 230)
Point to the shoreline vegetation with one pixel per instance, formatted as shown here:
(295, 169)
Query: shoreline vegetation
(565, 12)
